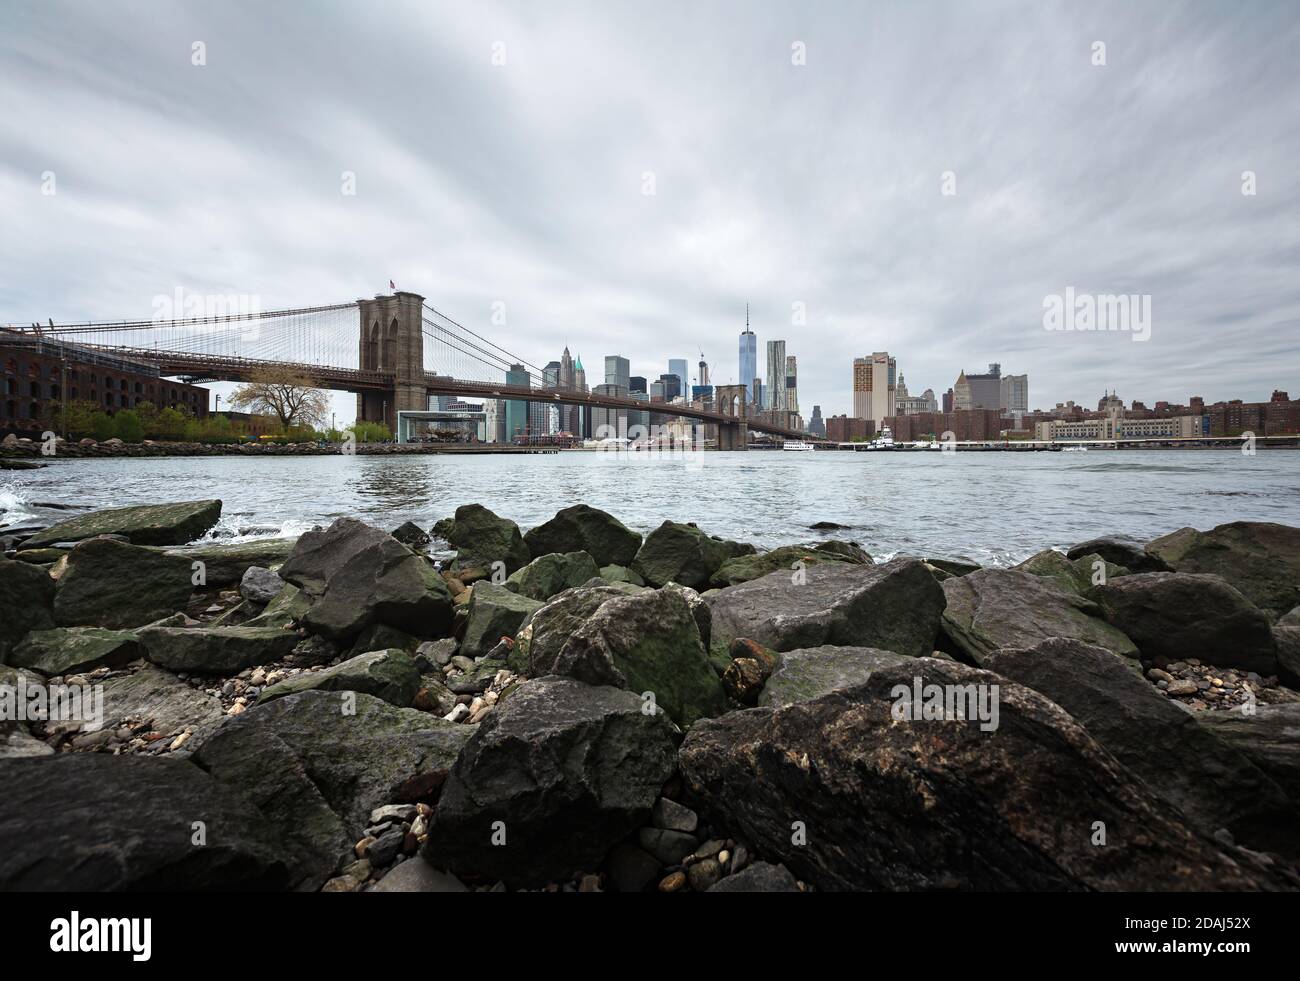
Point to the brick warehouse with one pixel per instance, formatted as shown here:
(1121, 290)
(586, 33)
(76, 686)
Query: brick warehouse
(36, 372)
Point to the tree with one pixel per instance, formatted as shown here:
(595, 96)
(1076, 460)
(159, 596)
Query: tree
(290, 398)
(103, 426)
(129, 428)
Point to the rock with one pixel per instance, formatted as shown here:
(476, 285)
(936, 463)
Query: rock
(668, 847)
(551, 625)
(411, 535)
(64, 650)
(158, 698)
(27, 599)
(1126, 552)
(317, 763)
(552, 573)
(673, 882)
(1286, 638)
(1291, 619)
(683, 554)
(953, 567)
(318, 555)
(620, 573)
(811, 672)
(848, 794)
(1176, 615)
(631, 869)
(647, 642)
(585, 529)
(40, 556)
(481, 538)
(787, 558)
(417, 875)
(1072, 575)
(143, 524)
(224, 564)
(389, 674)
(215, 650)
(260, 585)
(995, 608)
(435, 653)
(127, 823)
(704, 875)
(759, 877)
(385, 848)
(382, 582)
(494, 612)
(895, 606)
(109, 584)
(671, 816)
(288, 606)
(1213, 784)
(561, 769)
(1259, 559)
(1269, 736)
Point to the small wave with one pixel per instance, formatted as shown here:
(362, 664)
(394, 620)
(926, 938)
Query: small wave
(1136, 468)
(15, 506)
(233, 530)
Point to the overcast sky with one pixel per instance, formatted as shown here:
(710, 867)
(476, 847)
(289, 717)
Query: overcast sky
(778, 184)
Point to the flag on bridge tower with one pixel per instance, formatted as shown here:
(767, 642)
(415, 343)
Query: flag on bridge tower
(392, 285)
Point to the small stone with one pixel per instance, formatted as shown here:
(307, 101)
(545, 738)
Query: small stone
(671, 816)
(673, 882)
(343, 883)
(457, 714)
(1182, 687)
(362, 847)
(589, 883)
(179, 741)
(703, 874)
(385, 848)
(723, 857)
(1155, 674)
(393, 812)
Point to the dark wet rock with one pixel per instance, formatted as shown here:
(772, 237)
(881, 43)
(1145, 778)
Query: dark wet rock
(27, 599)
(631, 869)
(585, 529)
(847, 796)
(143, 524)
(382, 637)
(751, 665)
(482, 538)
(648, 642)
(433, 654)
(158, 698)
(1260, 559)
(1082, 575)
(620, 573)
(1126, 552)
(318, 763)
(556, 620)
(64, 650)
(553, 573)
(128, 823)
(1215, 785)
(417, 875)
(759, 877)
(786, 558)
(1269, 736)
(224, 564)
(668, 847)
(260, 585)
(996, 608)
(683, 554)
(494, 612)
(287, 607)
(562, 769)
(215, 650)
(317, 555)
(1287, 640)
(809, 673)
(389, 674)
(954, 567)
(1177, 616)
(895, 606)
(411, 535)
(828, 526)
(109, 584)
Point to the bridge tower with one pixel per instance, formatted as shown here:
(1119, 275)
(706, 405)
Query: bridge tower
(730, 400)
(392, 341)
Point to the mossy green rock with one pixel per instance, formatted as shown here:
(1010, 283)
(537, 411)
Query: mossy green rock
(215, 650)
(743, 568)
(482, 538)
(26, 602)
(494, 612)
(620, 573)
(810, 673)
(1260, 559)
(553, 573)
(143, 524)
(64, 650)
(683, 554)
(1076, 575)
(585, 529)
(225, 565)
(390, 675)
(111, 584)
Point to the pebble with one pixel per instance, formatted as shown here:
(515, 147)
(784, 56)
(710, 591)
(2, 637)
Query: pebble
(589, 883)
(393, 812)
(362, 847)
(180, 741)
(673, 882)
(671, 816)
(457, 714)
(1155, 674)
(385, 848)
(703, 874)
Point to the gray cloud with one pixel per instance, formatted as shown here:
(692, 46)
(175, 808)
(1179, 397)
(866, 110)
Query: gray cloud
(775, 183)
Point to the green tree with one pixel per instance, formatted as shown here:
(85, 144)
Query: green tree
(129, 427)
(103, 426)
(370, 432)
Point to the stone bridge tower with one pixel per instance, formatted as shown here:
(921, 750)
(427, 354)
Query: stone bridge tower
(729, 400)
(392, 341)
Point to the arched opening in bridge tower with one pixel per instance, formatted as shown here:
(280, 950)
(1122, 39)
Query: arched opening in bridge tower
(390, 347)
(370, 353)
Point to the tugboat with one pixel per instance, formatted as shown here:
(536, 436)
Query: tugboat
(885, 441)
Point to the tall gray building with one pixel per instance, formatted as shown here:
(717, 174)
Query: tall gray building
(617, 371)
(748, 358)
(774, 398)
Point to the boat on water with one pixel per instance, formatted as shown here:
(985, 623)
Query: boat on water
(1074, 449)
(885, 441)
(796, 446)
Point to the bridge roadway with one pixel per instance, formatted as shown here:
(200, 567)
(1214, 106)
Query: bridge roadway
(223, 368)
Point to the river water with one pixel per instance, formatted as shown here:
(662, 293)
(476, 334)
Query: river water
(993, 508)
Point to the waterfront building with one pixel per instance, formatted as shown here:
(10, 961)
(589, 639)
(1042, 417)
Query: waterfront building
(1015, 394)
(516, 409)
(907, 405)
(875, 386)
(617, 371)
(748, 358)
(607, 423)
(948, 399)
(848, 429)
(816, 425)
(791, 383)
(774, 397)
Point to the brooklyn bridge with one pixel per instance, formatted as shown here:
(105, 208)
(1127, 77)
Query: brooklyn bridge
(393, 351)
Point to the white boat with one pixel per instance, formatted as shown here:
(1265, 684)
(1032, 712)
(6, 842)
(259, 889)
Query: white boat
(796, 445)
(885, 441)
(1074, 449)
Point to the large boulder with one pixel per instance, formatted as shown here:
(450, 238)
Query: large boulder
(683, 554)
(585, 529)
(1083, 574)
(1117, 550)
(482, 538)
(215, 650)
(1287, 639)
(1260, 559)
(27, 599)
(553, 573)
(90, 822)
(859, 790)
(386, 583)
(555, 777)
(895, 606)
(743, 568)
(494, 612)
(1177, 616)
(647, 642)
(810, 673)
(143, 524)
(1215, 785)
(114, 585)
(390, 675)
(317, 763)
(65, 650)
(995, 608)
(16, 740)
(554, 622)
(224, 564)
(1269, 736)
(159, 698)
(318, 554)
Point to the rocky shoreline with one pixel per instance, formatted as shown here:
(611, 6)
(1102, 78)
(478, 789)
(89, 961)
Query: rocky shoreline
(18, 451)
(583, 708)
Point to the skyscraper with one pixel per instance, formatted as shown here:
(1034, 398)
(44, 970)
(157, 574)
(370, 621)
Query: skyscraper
(817, 425)
(677, 366)
(875, 387)
(568, 382)
(516, 409)
(791, 383)
(617, 371)
(584, 413)
(775, 395)
(1015, 393)
(748, 357)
